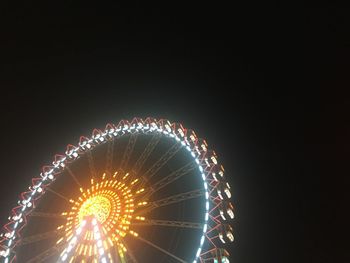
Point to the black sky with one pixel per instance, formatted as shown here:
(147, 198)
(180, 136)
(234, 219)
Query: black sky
(263, 85)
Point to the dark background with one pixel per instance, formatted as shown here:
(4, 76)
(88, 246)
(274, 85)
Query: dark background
(264, 85)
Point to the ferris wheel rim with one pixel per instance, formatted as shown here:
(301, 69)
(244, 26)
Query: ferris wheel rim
(112, 132)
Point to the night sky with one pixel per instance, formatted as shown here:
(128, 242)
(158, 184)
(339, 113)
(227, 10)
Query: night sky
(263, 85)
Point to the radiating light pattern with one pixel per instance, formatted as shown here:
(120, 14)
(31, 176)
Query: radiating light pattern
(111, 204)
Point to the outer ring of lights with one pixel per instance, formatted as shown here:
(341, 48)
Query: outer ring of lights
(175, 131)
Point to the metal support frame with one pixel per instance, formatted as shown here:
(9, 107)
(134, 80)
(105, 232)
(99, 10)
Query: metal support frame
(109, 157)
(171, 200)
(38, 237)
(46, 215)
(153, 222)
(128, 151)
(162, 161)
(91, 164)
(161, 249)
(145, 154)
(171, 178)
(43, 256)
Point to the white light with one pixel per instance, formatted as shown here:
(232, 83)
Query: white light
(227, 192)
(230, 213)
(230, 236)
(206, 216)
(64, 257)
(103, 260)
(202, 240)
(205, 228)
(222, 238)
(99, 243)
(207, 205)
(222, 214)
(198, 252)
(220, 195)
(101, 251)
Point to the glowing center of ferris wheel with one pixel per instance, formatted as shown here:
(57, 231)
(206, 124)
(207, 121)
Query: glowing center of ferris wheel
(110, 202)
(97, 206)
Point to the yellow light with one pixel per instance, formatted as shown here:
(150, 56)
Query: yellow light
(126, 175)
(99, 206)
(111, 203)
(134, 233)
(140, 191)
(135, 181)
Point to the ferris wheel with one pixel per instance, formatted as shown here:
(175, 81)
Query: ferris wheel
(144, 190)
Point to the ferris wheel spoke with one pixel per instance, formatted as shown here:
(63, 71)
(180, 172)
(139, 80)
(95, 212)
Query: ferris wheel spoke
(109, 157)
(162, 161)
(57, 194)
(171, 200)
(130, 253)
(73, 176)
(171, 178)
(39, 237)
(91, 164)
(146, 153)
(46, 215)
(43, 256)
(160, 249)
(128, 151)
(181, 224)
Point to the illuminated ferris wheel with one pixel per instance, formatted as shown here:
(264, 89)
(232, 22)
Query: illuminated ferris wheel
(138, 191)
